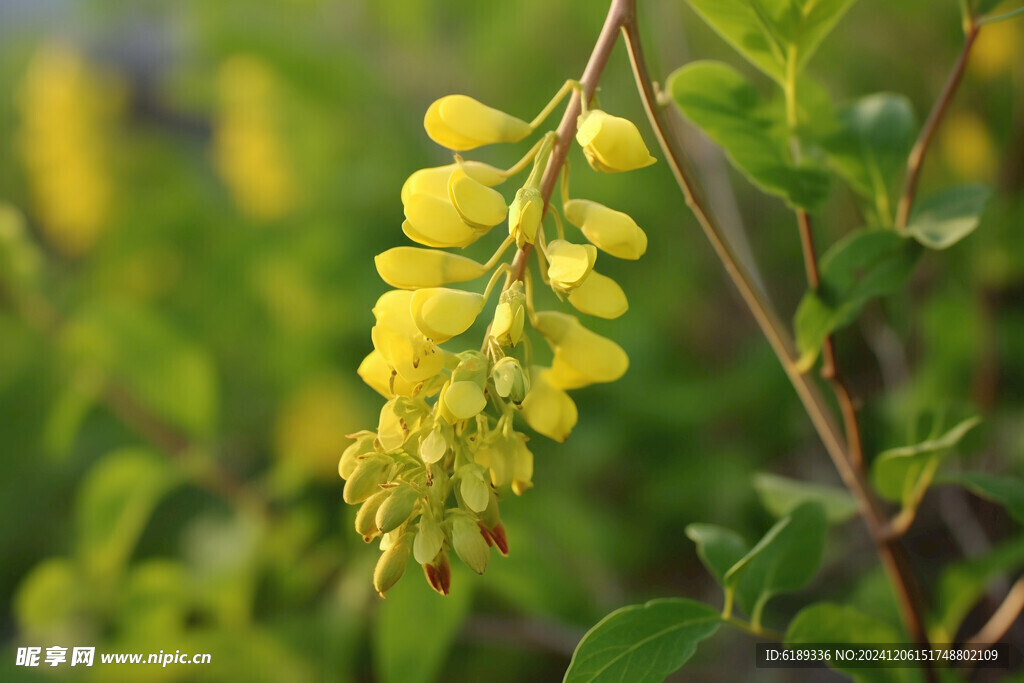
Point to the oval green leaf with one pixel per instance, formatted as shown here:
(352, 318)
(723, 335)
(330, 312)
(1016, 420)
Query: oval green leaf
(642, 643)
(780, 495)
(944, 218)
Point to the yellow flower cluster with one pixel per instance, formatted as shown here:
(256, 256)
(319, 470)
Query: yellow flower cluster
(428, 479)
(65, 107)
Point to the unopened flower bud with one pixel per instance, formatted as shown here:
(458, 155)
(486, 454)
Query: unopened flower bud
(611, 143)
(366, 518)
(525, 214)
(429, 539)
(397, 509)
(415, 268)
(460, 122)
(510, 381)
(434, 181)
(391, 565)
(439, 573)
(509, 315)
(366, 479)
(433, 446)
(475, 492)
(464, 400)
(469, 543)
(362, 446)
(609, 230)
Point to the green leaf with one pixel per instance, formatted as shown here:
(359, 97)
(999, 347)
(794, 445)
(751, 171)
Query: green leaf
(415, 629)
(962, 584)
(864, 265)
(903, 474)
(781, 495)
(769, 32)
(784, 560)
(642, 643)
(49, 596)
(148, 357)
(829, 623)
(114, 503)
(729, 109)
(870, 148)
(946, 217)
(1002, 489)
(718, 548)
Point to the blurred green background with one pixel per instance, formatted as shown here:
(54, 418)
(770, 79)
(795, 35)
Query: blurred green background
(191, 196)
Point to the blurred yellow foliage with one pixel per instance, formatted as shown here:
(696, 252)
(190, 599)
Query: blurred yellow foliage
(996, 49)
(65, 107)
(312, 423)
(248, 150)
(967, 146)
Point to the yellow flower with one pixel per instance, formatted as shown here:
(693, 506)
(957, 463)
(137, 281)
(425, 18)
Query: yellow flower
(441, 313)
(611, 143)
(611, 231)
(581, 356)
(414, 268)
(403, 347)
(434, 222)
(478, 206)
(459, 122)
(525, 214)
(569, 264)
(599, 295)
(509, 315)
(547, 409)
(434, 181)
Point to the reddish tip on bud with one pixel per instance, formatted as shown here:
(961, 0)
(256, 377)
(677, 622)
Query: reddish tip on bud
(439, 573)
(496, 537)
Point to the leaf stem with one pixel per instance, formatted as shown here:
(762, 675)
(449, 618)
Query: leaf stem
(920, 148)
(758, 631)
(892, 556)
(1003, 618)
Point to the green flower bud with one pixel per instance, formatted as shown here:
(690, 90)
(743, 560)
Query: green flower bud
(366, 518)
(510, 381)
(391, 565)
(367, 478)
(475, 492)
(464, 400)
(433, 446)
(525, 214)
(429, 539)
(362, 446)
(439, 573)
(469, 543)
(398, 508)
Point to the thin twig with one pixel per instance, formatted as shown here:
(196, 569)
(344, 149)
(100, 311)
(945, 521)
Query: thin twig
(1003, 618)
(917, 153)
(890, 552)
(617, 13)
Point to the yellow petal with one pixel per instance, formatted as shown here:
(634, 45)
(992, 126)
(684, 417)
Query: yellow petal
(478, 205)
(414, 268)
(435, 223)
(403, 347)
(548, 409)
(611, 143)
(464, 399)
(434, 181)
(442, 313)
(581, 356)
(599, 295)
(569, 264)
(611, 231)
(459, 122)
(509, 315)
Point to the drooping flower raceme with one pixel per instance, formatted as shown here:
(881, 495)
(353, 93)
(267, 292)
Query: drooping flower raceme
(447, 443)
